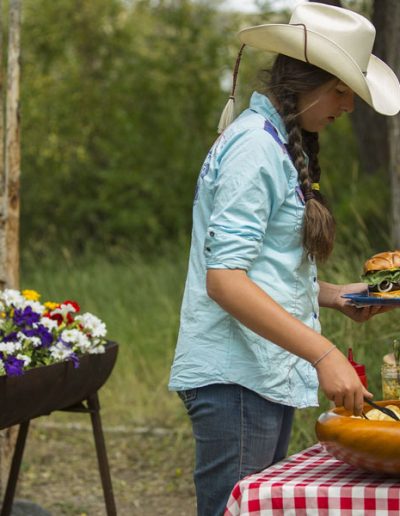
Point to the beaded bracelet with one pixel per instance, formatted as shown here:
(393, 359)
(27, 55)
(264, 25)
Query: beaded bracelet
(323, 355)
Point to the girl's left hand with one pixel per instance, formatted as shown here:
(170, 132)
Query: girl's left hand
(331, 296)
(358, 314)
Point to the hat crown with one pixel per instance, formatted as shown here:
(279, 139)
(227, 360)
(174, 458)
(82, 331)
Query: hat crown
(347, 29)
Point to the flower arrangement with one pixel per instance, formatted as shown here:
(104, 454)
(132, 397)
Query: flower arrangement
(34, 334)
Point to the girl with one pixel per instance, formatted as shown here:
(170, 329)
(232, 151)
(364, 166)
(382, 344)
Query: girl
(249, 349)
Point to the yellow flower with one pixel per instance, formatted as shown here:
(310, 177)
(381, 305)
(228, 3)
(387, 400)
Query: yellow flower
(50, 305)
(31, 295)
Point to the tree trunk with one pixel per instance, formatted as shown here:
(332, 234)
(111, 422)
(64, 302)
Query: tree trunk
(12, 148)
(370, 127)
(3, 181)
(9, 189)
(392, 37)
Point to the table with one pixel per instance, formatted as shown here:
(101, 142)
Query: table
(313, 483)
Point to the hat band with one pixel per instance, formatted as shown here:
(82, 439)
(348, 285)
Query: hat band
(305, 40)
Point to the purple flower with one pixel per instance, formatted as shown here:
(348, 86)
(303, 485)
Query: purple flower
(11, 337)
(42, 332)
(74, 359)
(14, 366)
(25, 317)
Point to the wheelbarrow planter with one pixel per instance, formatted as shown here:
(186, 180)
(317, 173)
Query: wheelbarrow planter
(42, 390)
(59, 386)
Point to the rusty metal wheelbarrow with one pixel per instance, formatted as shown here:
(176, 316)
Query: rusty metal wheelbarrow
(60, 386)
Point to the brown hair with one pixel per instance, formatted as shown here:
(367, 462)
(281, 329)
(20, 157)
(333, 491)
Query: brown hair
(288, 78)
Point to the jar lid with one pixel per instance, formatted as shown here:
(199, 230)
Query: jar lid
(389, 359)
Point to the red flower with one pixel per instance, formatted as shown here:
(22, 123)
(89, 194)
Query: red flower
(74, 304)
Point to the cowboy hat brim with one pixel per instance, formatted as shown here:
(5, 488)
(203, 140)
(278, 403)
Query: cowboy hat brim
(377, 85)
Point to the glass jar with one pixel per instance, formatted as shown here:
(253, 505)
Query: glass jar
(390, 382)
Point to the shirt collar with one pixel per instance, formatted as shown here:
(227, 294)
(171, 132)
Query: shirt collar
(262, 105)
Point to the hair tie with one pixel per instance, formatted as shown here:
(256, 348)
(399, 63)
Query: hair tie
(309, 195)
(315, 186)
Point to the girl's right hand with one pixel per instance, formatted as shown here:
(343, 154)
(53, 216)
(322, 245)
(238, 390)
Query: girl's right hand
(340, 382)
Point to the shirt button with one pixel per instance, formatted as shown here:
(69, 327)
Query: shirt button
(212, 233)
(315, 315)
(314, 279)
(208, 249)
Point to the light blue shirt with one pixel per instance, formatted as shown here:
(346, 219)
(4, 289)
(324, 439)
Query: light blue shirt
(248, 214)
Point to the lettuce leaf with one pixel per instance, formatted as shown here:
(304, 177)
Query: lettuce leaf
(376, 277)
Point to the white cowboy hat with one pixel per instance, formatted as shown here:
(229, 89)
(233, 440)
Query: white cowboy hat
(337, 40)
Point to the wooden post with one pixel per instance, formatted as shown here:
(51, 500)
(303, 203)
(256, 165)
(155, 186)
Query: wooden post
(3, 179)
(12, 145)
(10, 159)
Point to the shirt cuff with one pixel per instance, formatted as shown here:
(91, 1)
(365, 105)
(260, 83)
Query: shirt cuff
(223, 250)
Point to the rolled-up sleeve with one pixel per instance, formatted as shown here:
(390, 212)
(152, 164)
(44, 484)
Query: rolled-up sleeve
(250, 187)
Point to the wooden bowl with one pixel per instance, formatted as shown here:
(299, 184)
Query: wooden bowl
(370, 445)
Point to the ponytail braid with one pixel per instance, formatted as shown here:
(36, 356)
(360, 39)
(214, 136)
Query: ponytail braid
(285, 81)
(319, 224)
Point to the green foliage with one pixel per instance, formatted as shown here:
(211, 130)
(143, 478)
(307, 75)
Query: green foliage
(119, 105)
(359, 201)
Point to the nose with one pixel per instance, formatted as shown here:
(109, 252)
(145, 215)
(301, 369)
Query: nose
(348, 102)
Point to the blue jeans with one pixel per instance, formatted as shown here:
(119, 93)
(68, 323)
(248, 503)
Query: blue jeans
(237, 432)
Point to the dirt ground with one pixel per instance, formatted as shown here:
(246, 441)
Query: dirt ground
(151, 470)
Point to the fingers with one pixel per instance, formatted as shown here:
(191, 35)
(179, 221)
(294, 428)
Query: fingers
(353, 401)
(367, 394)
(375, 310)
(341, 384)
(358, 403)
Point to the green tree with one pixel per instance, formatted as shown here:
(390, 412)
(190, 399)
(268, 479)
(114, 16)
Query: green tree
(119, 105)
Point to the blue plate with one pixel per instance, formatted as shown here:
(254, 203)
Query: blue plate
(366, 300)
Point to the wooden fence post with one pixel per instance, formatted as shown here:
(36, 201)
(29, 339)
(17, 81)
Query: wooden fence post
(10, 159)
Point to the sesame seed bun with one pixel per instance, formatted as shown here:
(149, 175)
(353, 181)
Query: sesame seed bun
(387, 260)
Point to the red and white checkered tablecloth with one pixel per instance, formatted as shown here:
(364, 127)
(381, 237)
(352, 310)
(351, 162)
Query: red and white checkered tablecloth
(313, 483)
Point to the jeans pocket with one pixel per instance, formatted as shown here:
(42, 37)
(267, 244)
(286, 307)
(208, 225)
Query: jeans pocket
(188, 395)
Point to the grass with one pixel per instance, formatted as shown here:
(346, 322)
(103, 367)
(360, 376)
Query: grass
(139, 299)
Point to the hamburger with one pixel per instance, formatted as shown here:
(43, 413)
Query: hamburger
(382, 273)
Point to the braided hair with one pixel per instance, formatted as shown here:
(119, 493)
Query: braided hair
(288, 78)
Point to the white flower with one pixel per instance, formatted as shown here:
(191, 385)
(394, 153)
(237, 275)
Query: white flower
(35, 341)
(60, 352)
(25, 358)
(92, 324)
(48, 323)
(97, 350)
(13, 297)
(10, 347)
(64, 310)
(76, 338)
(35, 305)
(21, 336)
